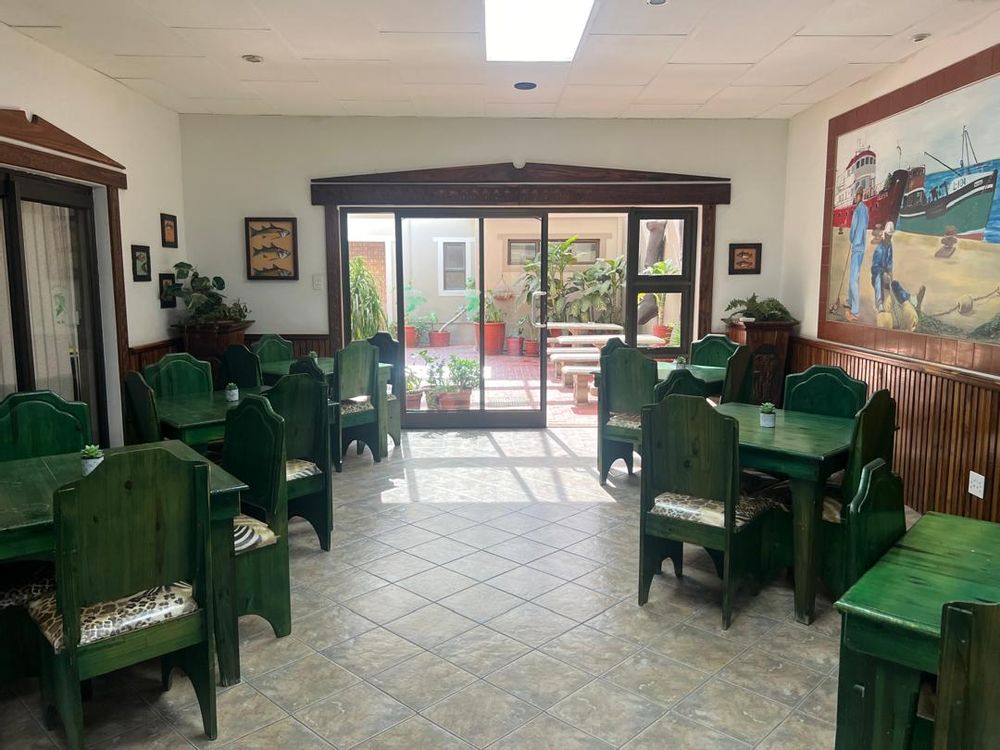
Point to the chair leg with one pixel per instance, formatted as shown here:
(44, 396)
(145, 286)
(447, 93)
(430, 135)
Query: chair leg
(66, 691)
(609, 451)
(676, 555)
(727, 591)
(198, 663)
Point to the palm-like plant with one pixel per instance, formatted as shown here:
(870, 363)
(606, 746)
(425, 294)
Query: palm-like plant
(367, 314)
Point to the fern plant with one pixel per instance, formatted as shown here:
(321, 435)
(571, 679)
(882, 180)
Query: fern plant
(367, 314)
(759, 309)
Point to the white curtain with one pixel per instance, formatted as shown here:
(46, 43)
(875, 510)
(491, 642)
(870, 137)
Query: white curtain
(52, 298)
(8, 370)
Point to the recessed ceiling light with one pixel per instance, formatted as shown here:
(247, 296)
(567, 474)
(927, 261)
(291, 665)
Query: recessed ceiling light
(535, 30)
(920, 37)
(656, 2)
(253, 58)
(525, 85)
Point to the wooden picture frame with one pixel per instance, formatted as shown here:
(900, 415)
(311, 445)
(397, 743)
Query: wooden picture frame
(271, 248)
(168, 230)
(745, 258)
(166, 280)
(912, 340)
(142, 263)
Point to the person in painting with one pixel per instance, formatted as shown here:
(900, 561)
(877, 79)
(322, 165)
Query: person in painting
(859, 233)
(882, 264)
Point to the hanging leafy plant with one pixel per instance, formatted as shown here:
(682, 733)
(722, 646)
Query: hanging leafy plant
(367, 314)
(203, 297)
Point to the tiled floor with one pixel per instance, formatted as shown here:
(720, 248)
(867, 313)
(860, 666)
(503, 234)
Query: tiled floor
(481, 592)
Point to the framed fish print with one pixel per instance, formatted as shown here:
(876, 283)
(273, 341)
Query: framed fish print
(140, 263)
(744, 258)
(166, 282)
(168, 230)
(272, 249)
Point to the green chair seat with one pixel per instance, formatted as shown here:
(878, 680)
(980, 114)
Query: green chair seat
(109, 619)
(707, 511)
(391, 397)
(250, 533)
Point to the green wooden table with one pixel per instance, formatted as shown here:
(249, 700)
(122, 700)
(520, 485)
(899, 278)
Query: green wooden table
(806, 448)
(712, 377)
(892, 623)
(197, 418)
(26, 489)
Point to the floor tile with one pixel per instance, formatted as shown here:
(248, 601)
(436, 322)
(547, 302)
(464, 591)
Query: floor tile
(539, 679)
(640, 624)
(656, 677)
(531, 624)
(551, 511)
(822, 702)
(306, 600)
(677, 733)
(348, 584)
(525, 582)
(590, 649)
(696, 648)
(371, 652)
(744, 627)
(442, 550)
(397, 566)
(353, 715)
(430, 625)
(481, 650)
(436, 583)
(481, 536)
(798, 643)
(564, 564)
(365, 550)
(801, 731)
(481, 602)
(406, 536)
(303, 682)
(264, 652)
(548, 733)
(240, 710)
(613, 580)
(780, 680)
(481, 565)
(517, 523)
(576, 602)
(415, 733)
(386, 604)
(156, 735)
(737, 712)
(330, 626)
(481, 714)
(287, 733)
(445, 523)
(607, 711)
(556, 535)
(423, 680)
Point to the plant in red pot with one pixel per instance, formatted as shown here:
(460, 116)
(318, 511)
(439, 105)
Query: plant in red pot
(493, 325)
(530, 340)
(413, 299)
(514, 343)
(451, 386)
(212, 324)
(414, 389)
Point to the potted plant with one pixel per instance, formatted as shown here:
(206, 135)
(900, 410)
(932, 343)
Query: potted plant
(435, 377)
(561, 257)
(367, 313)
(765, 325)
(493, 324)
(530, 338)
(314, 354)
(90, 457)
(461, 377)
(232, 392)
(439, 337)
(423, 324)
(414, 393)
(212, 324)
(596, 292)
(767, 415)
(514, 343)
(752, 309)
(412, 300)
(681, 362)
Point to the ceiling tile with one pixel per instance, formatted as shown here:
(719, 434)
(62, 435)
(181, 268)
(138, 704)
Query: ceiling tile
(415, 72)
(948, 20)
(425, 15)
(520, 109)
(323, 29)
(882, 18)
(585, 108)
(731, 110)
(622, 59)
(226, 14)
(802, 60)
(550, 78)
(388, 108)
(375, 80)
(28, 13)
(634, 17)
(164, 95)
(660, 110)
(690, 84)
(758, 94)
(445, 105)
(783, 111)
(843, 77)
(599, 94)
(434, 48)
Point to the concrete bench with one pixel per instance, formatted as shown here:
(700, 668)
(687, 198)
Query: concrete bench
(581, 377)
(561, 357)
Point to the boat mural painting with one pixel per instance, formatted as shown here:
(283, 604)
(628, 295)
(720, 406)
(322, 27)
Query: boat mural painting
(927, 260)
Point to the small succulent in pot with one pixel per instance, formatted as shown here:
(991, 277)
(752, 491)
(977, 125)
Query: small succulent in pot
(232, 392)
(681, 362)
(90, 457)
(767, 415)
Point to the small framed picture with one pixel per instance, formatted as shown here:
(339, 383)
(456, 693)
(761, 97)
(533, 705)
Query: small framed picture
(167, 280)
(272, 248)
(744, 257)
(140, 263)
(168, 230)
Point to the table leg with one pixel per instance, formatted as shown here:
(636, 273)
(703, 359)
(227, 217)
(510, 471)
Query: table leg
(807, 516)
(383, 417)
(581, 389)
(227, 633)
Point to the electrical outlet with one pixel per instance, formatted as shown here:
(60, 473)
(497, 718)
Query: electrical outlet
(977, 485)
(318, 282)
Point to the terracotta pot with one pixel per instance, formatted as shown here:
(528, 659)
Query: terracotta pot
(413, 400)
(553, 332)
(531, 348)
(493, 333)
(211, 340)
(410, 336)
(439, 338)
(663, 332)
(454, 400)
(514, 345)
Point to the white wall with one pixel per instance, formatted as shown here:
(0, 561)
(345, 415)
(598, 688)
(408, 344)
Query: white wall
(237, 166)
(806, 163)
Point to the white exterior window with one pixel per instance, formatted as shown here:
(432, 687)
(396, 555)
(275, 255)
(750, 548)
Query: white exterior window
(454, 265)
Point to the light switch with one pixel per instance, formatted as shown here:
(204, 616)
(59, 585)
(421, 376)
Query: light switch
(318, 282)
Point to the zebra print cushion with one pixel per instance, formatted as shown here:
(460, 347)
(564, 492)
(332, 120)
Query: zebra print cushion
(709, 512)
(250, 533)
(298, 468)
(625, 421)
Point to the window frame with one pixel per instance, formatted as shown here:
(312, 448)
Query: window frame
(597, 241)
(441, 242)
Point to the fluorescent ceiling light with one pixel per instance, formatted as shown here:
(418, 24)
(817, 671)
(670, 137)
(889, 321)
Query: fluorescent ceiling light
(535, 30)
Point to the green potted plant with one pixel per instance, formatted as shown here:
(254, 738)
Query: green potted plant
(681, 362)
(753, 309)
(767, 415)
(435, 377)
(314, 354)
(212, 324)
(232, 392)
(367, 313)
(423, 324)
(514, 343)
(439, 337)
(90, 458)
(561, 257)
(493, 322)
(413, 299)
(530, 338)
(414, 391)
(595, 293)
(461, 377)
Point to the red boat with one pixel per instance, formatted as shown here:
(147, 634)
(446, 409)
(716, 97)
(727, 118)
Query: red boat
(883, 205)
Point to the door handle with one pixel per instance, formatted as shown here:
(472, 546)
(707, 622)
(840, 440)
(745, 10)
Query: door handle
(537, 297)
(74, 368)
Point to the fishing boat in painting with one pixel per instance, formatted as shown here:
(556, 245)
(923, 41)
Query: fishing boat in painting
(860, 175)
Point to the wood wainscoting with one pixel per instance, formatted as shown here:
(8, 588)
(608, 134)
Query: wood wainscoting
(949, 424)
(146, 354)
(303, 343)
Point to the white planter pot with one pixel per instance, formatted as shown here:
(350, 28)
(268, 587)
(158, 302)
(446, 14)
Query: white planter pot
(233, 396)
(767, 420)
(87, 465)
(680, 365)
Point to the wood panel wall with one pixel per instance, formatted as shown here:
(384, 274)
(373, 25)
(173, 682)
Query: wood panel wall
(949, 424)
(147, 354)
(303, 343)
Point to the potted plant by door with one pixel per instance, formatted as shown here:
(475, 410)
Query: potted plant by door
(414, 393)
(530, 339)
(439, 337)
(90, 458)
(435, 378)
(493, 324)
(514, 343)
(461, 377)
(767, 415)
(367, 312)
(560, 258)
(212, 324)
(232, 393)
(412, 300)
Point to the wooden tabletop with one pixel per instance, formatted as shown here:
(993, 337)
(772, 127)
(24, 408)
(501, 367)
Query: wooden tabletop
(198, 409)
(643, 339)
(941, 559)
(711, 375)
(612, 327)
(795, 433)
(326, 364)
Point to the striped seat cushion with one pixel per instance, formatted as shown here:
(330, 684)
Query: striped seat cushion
(108, 619)
(356, 406)
(299, 468)
(781, 494)
(250, 533)
(21, 586)
(709, 512)
(625, 420)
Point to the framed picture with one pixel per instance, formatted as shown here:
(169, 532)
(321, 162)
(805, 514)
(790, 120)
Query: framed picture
(167, 280)
(272, 249)
(744, 258)
(168, 230)
(141, 263)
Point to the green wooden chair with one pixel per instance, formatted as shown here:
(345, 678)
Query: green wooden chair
(241, 366)
(308, 366)
(255, 452)
(691, 493)
(391, 353)
(824, 390)
(179, 374)
(273, 348)
(21, 581)
(628, 380)
(680, 382)
(873, 521)
(302, 402)
(738, 384)
(355, 388)
(41, 423)
(133, 565)
(968, 688)
(713, 350)
(142, 422)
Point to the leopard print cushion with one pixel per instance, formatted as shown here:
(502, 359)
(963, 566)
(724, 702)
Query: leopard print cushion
(709, 512)
(625, 421)
(108, 619)
(352, 406)
(390, 397)
(781, 494)
(19, 594)
(250, 533)
(298, 468)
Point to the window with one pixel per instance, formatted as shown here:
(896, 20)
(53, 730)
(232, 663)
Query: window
(520, 252)
(454, 265)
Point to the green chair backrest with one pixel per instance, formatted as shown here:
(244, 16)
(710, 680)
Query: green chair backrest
(241, 366)
(876, 519)
(628, 378)
(301, 401)
(680, 382)
(968, 692)
(738, 384)
(179, 374)
(713, 350)
(307, 366)
(690, 448)
(142, 421)
(42, 423)
(391, 353)
(874, 437)
(272, 348)
(138, 521)
(254, 452)
(824, 390)
(356, 371)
